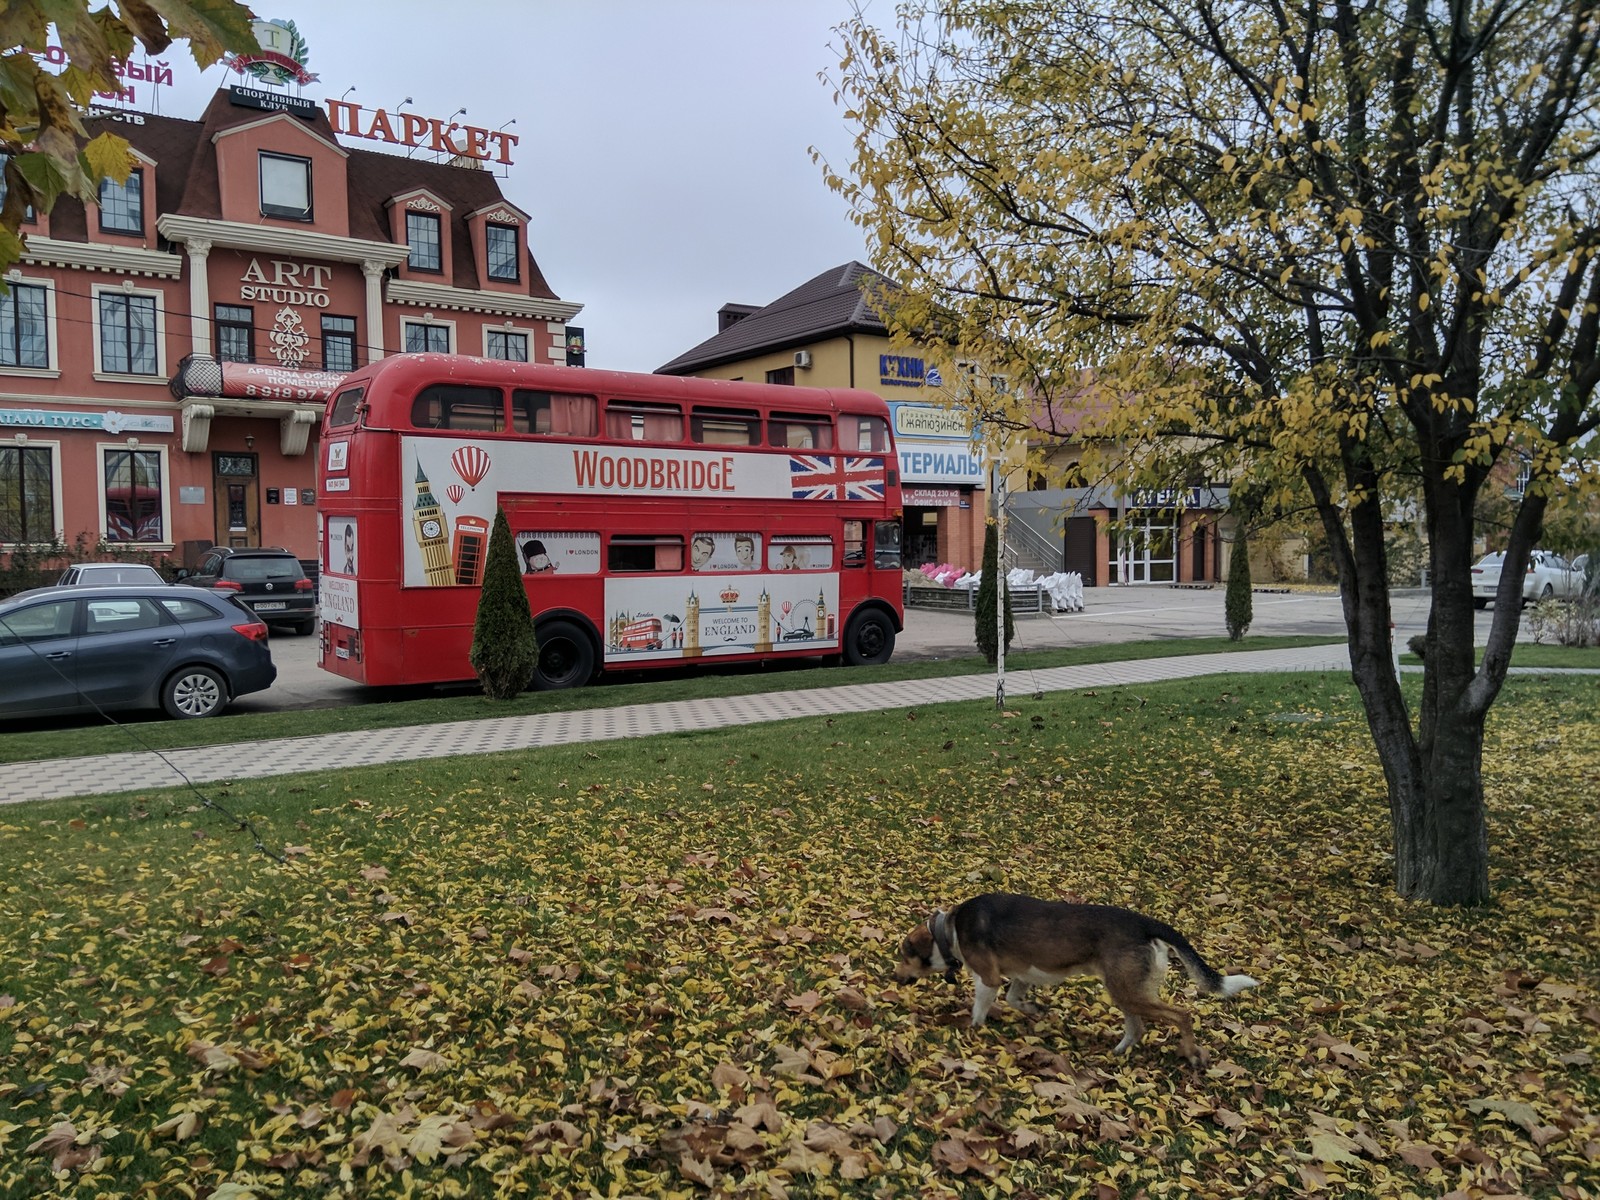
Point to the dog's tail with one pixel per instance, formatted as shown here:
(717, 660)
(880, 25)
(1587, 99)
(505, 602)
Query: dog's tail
(1206, 977)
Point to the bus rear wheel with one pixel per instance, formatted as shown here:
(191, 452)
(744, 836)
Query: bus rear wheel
(868, 639)
(566, 657)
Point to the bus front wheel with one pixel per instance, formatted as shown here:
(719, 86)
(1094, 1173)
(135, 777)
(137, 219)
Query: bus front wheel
(566, 657)
(868, 639)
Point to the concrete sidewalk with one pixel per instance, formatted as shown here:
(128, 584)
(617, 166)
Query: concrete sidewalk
(110, 773)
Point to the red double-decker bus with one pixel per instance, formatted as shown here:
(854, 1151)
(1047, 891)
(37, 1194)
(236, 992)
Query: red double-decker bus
(659, 521)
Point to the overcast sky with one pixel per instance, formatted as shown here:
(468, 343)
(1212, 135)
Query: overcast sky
(664, 144)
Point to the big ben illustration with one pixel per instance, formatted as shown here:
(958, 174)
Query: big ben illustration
(433, 539)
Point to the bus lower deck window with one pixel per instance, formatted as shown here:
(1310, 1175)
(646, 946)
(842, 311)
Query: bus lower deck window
(645, 553)
(886, 544)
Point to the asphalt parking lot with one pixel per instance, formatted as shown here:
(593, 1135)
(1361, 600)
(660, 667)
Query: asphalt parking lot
(1111, 614)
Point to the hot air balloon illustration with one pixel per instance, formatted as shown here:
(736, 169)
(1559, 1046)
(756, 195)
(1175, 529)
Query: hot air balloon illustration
(472, 464)
(455, 491)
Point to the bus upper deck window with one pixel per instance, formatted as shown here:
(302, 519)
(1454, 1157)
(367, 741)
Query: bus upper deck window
(800, 432)
(643, 421)
(456, 406)
(865, 433)
(724, 426)
(554, 414)
(345, 406)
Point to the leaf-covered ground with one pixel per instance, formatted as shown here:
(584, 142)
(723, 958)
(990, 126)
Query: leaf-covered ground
(662, 967)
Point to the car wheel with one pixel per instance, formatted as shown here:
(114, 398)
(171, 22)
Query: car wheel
(194, 692)
(306, 627)
(1548, 592)
(566, 657)
(869, 639)
(1479, 602)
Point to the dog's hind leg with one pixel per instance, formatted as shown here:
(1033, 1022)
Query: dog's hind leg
(1134, 982)
(1017, 997)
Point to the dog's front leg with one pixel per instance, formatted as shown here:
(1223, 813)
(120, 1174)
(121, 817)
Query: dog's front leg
(984, 995)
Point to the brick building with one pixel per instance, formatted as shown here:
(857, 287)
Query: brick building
(164, 352)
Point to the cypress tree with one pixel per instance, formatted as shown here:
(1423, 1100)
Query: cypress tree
(988, 640)
(504, 647)
(1239, 607)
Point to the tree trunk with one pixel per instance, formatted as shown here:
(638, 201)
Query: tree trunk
(1433, 775)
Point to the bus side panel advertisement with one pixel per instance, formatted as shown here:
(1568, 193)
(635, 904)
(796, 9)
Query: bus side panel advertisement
(446, 480)
(339, 601)
(677, 618)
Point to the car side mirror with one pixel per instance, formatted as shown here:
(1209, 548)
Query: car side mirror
(181, 574)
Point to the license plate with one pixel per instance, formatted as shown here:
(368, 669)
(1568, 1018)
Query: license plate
(271, 606)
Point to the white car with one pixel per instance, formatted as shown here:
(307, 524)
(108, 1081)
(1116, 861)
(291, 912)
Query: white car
(104, 574)
(1548, 576)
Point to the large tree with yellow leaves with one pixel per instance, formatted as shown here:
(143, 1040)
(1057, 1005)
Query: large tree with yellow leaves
(1345, 252)
(47, 152)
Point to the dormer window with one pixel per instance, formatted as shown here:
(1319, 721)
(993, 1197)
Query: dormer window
(122, 204)
(501, 243)
(285, 187)
(422, 235)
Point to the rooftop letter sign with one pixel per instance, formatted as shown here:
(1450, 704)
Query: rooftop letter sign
(422, 133)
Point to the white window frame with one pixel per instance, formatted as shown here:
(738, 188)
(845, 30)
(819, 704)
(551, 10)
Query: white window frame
(285, 212)
(138, 231)
(522, 330)
(53, 370)
(160, 448)
(516, 253)
(8, 437)
(161, 376)
(449, 325)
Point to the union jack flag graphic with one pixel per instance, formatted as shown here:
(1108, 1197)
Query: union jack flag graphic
(835, 477)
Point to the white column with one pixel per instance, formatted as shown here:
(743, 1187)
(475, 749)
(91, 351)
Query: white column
(374, 273)
(199, 297)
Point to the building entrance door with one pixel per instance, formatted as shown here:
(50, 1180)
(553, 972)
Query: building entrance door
(1152, 551)
(238, 500)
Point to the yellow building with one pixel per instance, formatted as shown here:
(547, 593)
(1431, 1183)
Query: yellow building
(824, 333)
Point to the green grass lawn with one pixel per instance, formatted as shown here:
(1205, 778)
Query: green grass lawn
(662, 966)
(78, 737)
(1528, 654)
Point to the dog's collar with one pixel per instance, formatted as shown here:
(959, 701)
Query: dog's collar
(939, 927)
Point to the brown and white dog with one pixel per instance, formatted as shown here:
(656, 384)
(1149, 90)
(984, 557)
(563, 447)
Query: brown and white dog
(1031, 942)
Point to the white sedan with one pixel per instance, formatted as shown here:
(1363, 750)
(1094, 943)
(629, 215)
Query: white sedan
(1547, 577)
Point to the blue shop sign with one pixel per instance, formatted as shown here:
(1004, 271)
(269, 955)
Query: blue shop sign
(110, 421)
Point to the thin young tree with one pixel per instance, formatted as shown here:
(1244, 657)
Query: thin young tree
(505, 648)
(1354, 249)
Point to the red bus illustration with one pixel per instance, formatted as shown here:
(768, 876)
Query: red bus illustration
(643, 634)
(733, 512)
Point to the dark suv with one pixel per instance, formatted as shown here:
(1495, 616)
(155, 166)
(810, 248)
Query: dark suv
(270, 582)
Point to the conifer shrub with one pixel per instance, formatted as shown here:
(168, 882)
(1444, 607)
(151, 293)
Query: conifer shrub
(504, 646)
(1239, 608)
(988, 640)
